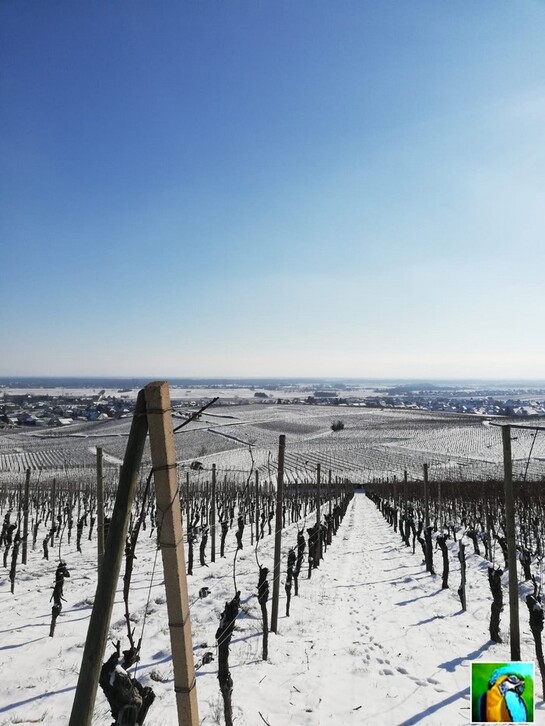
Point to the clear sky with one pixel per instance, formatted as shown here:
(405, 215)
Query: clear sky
(250, 187)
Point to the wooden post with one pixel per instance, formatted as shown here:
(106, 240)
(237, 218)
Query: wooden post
(395, 511)
(100, 509)
(25, 516)
(511, 546)
(187, 506)
(296, 510)
(18, 506)
(278, 534)
(53, 506)
(405, 494)
(318, 510)
(439, 507)
(213, 517)
(99, 623)
(257, 513)
(329, 491)
(170, 536)
(406, 528)
(426, 500)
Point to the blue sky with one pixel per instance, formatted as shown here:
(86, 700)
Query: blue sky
(341, 188)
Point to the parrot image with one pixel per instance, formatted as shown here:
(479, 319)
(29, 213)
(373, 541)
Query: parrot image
(502, 701)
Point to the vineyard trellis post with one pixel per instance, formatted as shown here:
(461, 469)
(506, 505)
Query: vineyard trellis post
(256, 505)
(278, 533)
(330, 505)
(163, 459)
(100, 509)
(187, 507)
(25, 516)
(99, 623)
(329, 480)
(53, 506)
(439, 512)
(426, 498)
(395, 508)
(213, 517)
(514, 637)
(405, 508)
(318, 512)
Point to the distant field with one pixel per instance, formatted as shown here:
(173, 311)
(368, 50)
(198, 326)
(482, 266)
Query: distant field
(373, 444)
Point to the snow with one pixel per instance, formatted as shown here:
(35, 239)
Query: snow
(371, 639)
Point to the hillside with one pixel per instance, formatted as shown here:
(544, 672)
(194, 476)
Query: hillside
(371, 637)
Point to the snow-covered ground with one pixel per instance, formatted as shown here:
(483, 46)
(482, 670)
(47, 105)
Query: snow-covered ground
(374, 444)
(372, 638)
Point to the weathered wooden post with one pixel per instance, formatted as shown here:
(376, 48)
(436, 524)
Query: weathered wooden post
(213, 517)
(19, 503)
(330, 512)
(99, 623)
(187, 507)
(278, 533)
(100, 509)
(170, 537)
(426, 500)
(318, 510)
(440, 513)
(511, 545)
(406, 527)
(257, 513)
(25, 516)
(53, 507)
(394, 487)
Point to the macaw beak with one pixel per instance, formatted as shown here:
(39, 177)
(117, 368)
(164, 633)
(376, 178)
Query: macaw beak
(513, 683)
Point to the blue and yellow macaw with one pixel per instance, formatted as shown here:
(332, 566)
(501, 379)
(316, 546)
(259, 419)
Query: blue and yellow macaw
(502, 701)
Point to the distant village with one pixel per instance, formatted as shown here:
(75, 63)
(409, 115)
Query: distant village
(482, 406)
(25, 409)
(486, 406)
(45, 410)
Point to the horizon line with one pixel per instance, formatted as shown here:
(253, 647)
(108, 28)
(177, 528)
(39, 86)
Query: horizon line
(268, 377)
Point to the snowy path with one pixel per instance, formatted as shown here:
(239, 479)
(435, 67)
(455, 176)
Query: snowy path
(380, 647)
(372, 639)
(382, 643)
